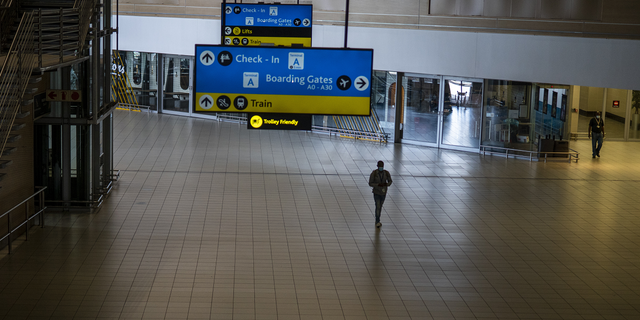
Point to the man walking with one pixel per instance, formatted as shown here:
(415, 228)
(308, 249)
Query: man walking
(379, 180)
(596, 133)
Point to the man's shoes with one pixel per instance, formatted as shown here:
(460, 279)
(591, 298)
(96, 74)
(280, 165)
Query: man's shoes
(593, 156)
(378, 224)
(598, 155)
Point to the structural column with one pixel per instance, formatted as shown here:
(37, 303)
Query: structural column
(65, 83)
(399, 127)
(95, 108)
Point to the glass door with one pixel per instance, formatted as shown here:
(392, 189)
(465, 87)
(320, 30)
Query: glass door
(634, 131)
(421, 113)
(615, 113)
(442, 112)
(462, 113)
(177, 84)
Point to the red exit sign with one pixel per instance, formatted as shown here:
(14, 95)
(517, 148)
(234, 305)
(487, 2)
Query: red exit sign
(64, 95)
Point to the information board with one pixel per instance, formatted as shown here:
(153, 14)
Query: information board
(283, 80)
(267, 24)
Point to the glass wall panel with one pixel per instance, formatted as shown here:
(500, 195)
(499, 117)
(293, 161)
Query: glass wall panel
(635, 115)
(141, 69)
(590, 102)
(176, 84)
(550, 117)
(80, 162)
(383, 100)
(421, 112)
(507, 115)
(615, 113)
(462, 113)
(382, 103)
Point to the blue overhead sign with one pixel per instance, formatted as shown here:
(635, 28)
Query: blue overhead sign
(283, 80)
(266, 24)
(268, 15)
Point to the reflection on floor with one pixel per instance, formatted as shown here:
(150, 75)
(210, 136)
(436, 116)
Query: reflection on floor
(212, 221)
(421, 126)
(461, 127)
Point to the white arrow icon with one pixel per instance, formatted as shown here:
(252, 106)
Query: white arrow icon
(362, 83)
(206, 102)
(207, 57)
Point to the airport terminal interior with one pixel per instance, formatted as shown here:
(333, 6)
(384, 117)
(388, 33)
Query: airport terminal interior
(132, 195)
(210, 220)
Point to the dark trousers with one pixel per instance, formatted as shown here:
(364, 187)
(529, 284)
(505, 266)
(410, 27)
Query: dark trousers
(596, 139)
(379, 199)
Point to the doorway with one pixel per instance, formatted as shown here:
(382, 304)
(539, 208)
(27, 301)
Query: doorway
(178, 83)
(443, 112)
(619, 108)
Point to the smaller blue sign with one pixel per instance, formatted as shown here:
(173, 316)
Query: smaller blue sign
(268, 15)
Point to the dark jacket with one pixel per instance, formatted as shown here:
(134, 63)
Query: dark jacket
(378, 177)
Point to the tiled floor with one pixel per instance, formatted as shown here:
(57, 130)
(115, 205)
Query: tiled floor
(211, 221)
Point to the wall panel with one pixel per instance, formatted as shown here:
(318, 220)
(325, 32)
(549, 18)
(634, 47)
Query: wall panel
(470, 7)
(555, 9)
(611, 63)
(589, 18)
(444, 7)
(621, 11)
(586, 10)
(528, 9)
(497, 8)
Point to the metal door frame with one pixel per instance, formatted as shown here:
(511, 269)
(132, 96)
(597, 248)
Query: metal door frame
(440, 107)
(191, 65)
(441, 110)
(440, 121)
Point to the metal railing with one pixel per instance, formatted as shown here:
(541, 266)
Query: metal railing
(57, 35)
(579, 135)
(38, 211)
(85, 11)
(7, 10)
(14, 76)
(97, 199)
(360, 127)
(232, 117)
(356, 127)
(355, 134)
(539, 155)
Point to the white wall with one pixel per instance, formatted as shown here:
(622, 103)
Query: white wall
(605, 63)
(164, 35)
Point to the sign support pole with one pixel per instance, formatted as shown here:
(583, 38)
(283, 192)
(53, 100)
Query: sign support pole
(223, 20)
(346, 25)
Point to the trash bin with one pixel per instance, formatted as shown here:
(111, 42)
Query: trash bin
(545, 145)
(560, 146)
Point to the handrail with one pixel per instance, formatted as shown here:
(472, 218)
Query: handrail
(353, 133)
(241, 117)
(6, 21)
(571, 155)
(356, 134)
(58, 35)
(360, 127)
(14, 76)
(39, 213)
(85, 12)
